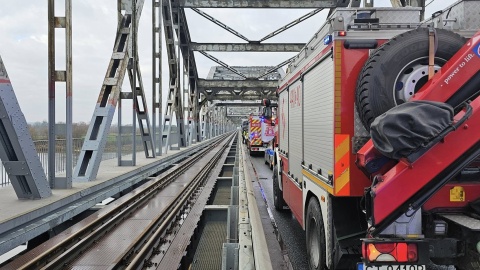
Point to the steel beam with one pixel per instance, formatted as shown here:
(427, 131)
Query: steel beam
(92, 149)
(17, 152)
(291, 24)
(197, 116)
(274, 69)
(236, 104)
(157, 39)
(219, 23)
(247, 47)
(188, 55)
(171, 24)
(270, 95)
(60, 76)
(218, 61)
(263, 3)
(236, 84)
(252, 72)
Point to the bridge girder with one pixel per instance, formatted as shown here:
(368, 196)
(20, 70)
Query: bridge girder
(262, 3)
(236, 84)
(247, 47)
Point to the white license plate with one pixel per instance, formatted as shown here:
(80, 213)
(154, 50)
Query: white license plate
(361, 266)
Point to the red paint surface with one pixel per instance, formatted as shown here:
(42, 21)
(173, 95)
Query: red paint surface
(296, 201)
(350, 69)
(441, 199)
(403, 181)
(453, 74)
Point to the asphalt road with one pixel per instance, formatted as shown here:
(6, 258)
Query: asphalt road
(291, 233)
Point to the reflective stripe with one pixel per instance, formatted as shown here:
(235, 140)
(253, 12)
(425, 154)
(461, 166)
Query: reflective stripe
(342, 164)
(338, 86)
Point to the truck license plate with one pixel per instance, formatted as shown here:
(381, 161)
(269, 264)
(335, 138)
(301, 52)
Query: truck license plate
(361, 266)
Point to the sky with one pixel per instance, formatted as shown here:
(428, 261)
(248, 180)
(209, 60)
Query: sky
(23, 47)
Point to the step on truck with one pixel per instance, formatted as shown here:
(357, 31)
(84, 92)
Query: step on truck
(379, 140)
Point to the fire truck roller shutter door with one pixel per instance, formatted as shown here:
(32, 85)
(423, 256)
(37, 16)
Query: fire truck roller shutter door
(398, 69)
(283, 122)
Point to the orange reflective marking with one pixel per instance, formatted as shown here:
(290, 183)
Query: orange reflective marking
(342, 165)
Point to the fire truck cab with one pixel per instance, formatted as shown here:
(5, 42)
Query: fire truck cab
(363, 202)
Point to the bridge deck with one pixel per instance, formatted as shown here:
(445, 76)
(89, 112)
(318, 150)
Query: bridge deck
(21, 220)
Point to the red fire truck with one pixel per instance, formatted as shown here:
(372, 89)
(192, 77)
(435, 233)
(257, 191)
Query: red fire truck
(260, 133)
(378, 177)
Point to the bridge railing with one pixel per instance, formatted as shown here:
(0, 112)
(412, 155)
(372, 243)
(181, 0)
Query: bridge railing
(61, 156)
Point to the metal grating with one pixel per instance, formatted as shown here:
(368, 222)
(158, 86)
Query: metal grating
(222, 195)
(209, 252)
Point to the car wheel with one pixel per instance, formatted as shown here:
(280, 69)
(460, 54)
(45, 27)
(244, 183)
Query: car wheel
(398, 69)
(315, 236)
(278, 200)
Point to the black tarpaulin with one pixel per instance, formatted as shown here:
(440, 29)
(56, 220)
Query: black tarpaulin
(410, 126)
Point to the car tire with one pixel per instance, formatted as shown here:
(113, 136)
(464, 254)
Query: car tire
(395, 71)
(315, 236)
(278, 200)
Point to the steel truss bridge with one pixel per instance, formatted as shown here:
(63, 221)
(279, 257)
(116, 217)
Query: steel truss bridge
(196, 106)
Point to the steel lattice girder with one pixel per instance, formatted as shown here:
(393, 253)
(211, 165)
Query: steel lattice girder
(247, 47)
(236, 84)
(94, 144)
(17, 151)
(262, 3)
(212, 97)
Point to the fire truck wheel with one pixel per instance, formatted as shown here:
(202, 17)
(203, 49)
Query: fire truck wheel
(398, 69)
(315, 236)
(278, 201)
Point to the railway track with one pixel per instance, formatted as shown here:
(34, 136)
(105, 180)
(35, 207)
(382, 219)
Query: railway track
(135, 225)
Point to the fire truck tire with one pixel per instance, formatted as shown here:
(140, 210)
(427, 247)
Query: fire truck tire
(278, 201)
(315, 236)
(398, 69)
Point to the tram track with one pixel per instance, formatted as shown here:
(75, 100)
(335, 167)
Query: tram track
(64, 253)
